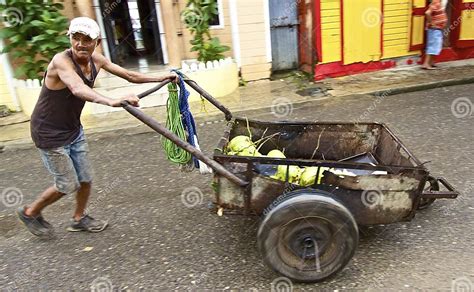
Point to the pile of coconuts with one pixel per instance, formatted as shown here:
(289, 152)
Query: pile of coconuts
(243, 146)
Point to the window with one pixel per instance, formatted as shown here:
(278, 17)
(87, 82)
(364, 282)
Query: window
(218, 21)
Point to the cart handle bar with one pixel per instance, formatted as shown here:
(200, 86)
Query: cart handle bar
(182, 144)
(195, 86)
(450, 194)
(153, 89)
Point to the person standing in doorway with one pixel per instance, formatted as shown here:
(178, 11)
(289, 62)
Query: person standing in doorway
(436, 21)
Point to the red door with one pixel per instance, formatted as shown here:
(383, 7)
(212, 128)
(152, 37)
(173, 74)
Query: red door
(305, 35)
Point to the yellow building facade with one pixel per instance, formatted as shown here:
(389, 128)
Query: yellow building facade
(364, 35)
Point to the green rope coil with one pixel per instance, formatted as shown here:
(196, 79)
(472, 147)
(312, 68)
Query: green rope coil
(175, 125)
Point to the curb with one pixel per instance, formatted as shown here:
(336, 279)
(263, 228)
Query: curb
(421, 87)
(133, 130)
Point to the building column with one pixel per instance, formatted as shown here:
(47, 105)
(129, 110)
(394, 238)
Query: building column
(161, 29)
(85, 8)
(8, 71)
(172, 39)
(235, 32)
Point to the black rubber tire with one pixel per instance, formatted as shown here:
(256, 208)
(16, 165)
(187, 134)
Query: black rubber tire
(308, 236)
(430, 185)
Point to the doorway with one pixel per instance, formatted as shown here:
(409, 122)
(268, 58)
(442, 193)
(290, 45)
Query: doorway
(284, 34)
(132, 32)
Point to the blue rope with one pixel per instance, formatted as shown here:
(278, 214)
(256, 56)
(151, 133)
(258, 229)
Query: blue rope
(186, 115)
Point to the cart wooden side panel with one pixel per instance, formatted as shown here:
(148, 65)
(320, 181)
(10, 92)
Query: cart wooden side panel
(372, 199)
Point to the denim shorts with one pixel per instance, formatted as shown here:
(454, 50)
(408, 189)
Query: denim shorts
(434, 41)
(69, 165)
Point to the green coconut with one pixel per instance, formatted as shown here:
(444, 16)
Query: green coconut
(294, 173)
(239, 143)
(249, 151)
(308, 176)
(275, 153)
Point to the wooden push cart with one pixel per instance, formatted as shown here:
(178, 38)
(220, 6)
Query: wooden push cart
(365, 176)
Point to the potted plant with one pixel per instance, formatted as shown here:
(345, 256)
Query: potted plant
(218, 75)
(196, 17)
(34, 31)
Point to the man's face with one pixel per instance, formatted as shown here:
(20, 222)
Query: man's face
(82, 45)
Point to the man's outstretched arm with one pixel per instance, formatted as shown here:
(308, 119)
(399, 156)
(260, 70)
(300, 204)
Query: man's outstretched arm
(130, 76)
(69, 77)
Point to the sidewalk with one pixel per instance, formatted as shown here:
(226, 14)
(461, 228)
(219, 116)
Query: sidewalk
(15, 132)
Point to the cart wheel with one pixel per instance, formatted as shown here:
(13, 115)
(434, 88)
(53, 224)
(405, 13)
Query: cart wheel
(430, 185)
(308, 237)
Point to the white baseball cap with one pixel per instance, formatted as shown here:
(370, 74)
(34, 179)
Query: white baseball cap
(84, 25)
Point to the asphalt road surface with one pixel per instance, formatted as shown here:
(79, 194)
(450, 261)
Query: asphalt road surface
(158, 241)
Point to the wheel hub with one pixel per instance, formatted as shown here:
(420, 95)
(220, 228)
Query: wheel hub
(308, 244)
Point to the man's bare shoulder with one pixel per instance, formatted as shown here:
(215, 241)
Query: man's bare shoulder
(99, 59)
(60, 63)
(60, 60)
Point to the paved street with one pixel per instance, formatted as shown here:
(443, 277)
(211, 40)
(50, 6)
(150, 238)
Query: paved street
(156, 241)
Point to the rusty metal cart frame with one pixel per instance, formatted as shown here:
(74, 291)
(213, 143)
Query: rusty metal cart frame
(310, 233)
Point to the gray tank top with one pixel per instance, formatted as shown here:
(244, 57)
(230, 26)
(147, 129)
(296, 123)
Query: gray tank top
(56, 119)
